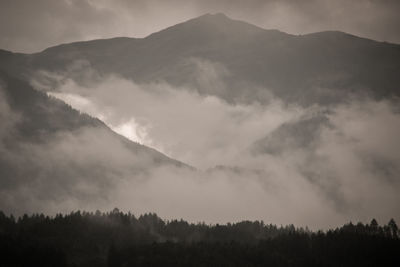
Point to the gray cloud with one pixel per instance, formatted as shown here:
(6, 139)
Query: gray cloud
(87, 169)
(311, 166)
(30, 26)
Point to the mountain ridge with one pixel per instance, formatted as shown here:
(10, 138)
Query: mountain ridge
(305, 69)
(205, 18)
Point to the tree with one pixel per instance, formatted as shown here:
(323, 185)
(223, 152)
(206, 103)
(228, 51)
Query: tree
(374, 226)
(393, 228)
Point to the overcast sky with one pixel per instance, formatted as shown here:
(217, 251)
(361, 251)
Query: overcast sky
(31, 26)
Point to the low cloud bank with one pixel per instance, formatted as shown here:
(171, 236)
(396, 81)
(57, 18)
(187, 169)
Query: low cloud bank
(280, 163)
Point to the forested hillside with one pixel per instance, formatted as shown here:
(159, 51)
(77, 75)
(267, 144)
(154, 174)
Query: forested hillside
(119, 239)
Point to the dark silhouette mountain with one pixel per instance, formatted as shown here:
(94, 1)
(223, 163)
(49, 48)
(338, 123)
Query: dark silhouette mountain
(323, 67)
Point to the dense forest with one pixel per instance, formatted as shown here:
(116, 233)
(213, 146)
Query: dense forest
(119, 239)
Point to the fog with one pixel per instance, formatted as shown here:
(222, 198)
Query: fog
(278, 162)
(202, 131)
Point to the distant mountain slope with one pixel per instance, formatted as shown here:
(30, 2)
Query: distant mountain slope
(43, 116)
(321, 68)
(51, 152)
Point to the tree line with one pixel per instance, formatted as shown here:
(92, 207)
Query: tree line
(121, 239)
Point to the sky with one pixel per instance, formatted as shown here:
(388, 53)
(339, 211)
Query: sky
(31, 26)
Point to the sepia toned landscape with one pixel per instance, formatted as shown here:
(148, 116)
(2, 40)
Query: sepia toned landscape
(199, 133)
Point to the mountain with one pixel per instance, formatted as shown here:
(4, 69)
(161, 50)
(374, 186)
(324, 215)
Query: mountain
(325, 67)
(53, 155)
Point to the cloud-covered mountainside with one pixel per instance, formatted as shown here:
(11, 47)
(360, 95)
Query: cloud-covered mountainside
(289, 129)
(53, 154)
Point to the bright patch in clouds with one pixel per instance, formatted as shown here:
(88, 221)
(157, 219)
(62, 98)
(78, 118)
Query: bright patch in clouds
(131, 130)
(203, 131)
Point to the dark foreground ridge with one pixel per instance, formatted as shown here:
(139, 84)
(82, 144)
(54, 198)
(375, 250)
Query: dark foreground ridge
(119, 239)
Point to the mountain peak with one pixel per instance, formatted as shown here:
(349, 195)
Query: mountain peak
(217, 24)
(219, 19)
(213, 16)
